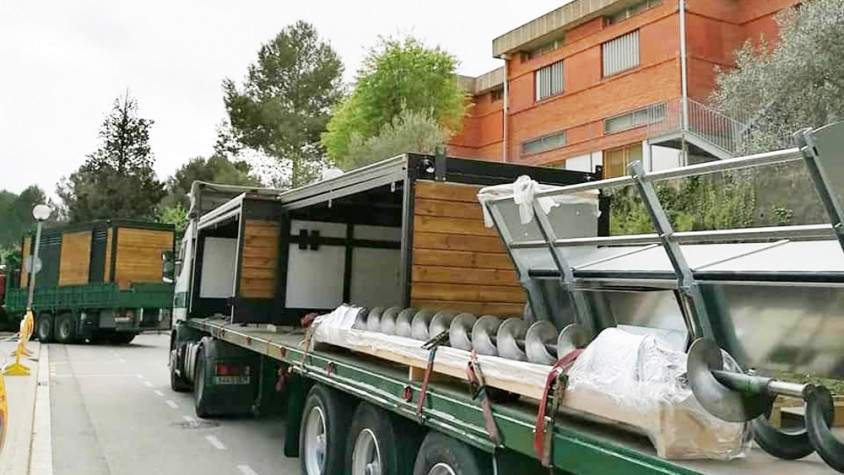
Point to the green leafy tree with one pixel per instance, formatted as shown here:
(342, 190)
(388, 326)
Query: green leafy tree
(16, 214)
(215, 169)
(117, 180)
(396, 75)
(283, 105)
(408, 132)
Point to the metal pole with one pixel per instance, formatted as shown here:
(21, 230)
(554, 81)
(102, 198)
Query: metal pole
(683, 73)
(506, 108)
(32, 267)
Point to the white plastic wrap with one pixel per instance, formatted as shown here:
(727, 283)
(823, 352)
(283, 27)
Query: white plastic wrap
(627, 380)
(642, 373)
(522, 191)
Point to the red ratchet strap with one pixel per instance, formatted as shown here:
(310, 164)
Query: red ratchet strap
(476, 381)
(424, 391)
(557, 371)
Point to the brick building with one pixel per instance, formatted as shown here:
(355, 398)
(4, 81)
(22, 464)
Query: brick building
(601, 82)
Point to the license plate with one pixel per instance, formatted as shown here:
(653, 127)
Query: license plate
(231, 379)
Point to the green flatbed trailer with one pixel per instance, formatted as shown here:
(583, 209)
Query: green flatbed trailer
(578, 447)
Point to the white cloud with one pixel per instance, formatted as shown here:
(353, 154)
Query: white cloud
(63, 63)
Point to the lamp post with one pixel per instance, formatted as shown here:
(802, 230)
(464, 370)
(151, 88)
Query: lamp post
(41, 213)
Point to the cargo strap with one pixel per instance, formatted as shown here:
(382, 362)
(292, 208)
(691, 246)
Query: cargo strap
(308, 322)
(430, 345)
(478, 385)
(544, 431)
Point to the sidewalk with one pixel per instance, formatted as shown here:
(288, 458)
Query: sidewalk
(21, 396)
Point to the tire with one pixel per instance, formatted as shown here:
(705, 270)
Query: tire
(65, 331)
(377, 437)
(451, 456)
(200, 400)
(177, 383)
(326, 416)
(44, 328)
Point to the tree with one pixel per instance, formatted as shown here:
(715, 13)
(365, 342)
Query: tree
(282, 107)
(397, 75)
(117, 180)
(796, 82)
(409, 131)
(216, 169)
(16, 214)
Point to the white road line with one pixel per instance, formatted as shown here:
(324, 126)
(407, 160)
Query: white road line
(41, 455)
(189, 419)
(147, 384)
(246, 470)
(158, 393)
(215, 442)
(121, 360)
(140, 376)
(171, 404)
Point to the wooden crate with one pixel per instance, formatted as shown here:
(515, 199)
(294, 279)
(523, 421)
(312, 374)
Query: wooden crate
(259, 265)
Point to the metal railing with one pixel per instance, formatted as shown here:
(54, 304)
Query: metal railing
(725, 132)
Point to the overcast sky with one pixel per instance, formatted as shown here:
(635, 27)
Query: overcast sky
(62, 63)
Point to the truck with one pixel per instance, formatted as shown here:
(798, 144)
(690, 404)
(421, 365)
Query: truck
(100, 281)
(405, 240)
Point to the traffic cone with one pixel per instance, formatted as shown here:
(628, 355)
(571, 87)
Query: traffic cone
(16, 368)
(4, 410)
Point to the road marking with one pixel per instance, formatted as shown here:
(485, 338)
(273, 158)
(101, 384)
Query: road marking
(171, 404)
(148, 384)
(158, 393)
(215, 442)
(121, 360)
(246, 470)
(189, 419)
(41, 456)
(140, 376)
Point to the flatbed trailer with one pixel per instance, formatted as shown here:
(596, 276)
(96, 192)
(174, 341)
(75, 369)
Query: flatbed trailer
(578, 446)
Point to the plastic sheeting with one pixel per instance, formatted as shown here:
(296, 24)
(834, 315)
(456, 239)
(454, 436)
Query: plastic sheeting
(634, 382)
(522, 191)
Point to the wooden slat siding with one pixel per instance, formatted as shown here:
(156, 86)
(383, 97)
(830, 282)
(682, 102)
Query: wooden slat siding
(74, 262)
(458, 263)
(478, 308)
(463, 292)
(107, 273)
(260, 259)
(139, 254)
(27, 244)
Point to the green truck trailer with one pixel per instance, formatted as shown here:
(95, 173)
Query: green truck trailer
(101, 280)
(405, 241)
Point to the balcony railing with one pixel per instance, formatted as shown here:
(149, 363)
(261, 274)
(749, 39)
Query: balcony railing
(707, 124)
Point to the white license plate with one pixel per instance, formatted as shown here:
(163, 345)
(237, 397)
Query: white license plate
(231, 379)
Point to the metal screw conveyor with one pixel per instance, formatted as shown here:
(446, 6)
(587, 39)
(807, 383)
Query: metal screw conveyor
(769, 298)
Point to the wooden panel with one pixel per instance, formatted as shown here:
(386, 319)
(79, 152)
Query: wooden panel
(139, 255)
(477, 308)
(436, 224)
(474, 293)
(259, 264)
(458, 275)
(107, 274)
(458, 263)
(74, 263)
(447, 191)
(442, 257)
(456, 242)
(27, 245)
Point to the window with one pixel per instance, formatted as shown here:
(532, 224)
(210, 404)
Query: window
(621, 53)
(496, 95)
(549, 80)
(543, 49)
(630, 11)
(544, 143)
(644, 116)
(616, 161)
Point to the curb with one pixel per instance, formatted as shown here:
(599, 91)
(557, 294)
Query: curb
(41, 453)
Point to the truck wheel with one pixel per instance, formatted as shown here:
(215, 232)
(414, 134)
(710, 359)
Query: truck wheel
(45, 328)
(177, 383)
(379, 443)
(442, 455)
(65, 331)
(200, 396)
(322, 437)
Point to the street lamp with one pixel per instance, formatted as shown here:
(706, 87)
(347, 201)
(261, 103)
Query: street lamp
(41, 213)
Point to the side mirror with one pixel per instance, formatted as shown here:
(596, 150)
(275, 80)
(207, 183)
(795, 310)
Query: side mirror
(168, 268)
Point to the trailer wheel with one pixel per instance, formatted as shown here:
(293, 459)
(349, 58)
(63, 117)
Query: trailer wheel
(177, 383)
(379, 443)
(442, 455)
(65, 331)
(200, 400)
(322, 437)
(45, 328)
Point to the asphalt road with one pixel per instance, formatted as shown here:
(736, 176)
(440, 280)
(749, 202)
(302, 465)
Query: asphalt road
(113, 413)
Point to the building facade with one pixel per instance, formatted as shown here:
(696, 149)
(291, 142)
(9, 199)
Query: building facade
(601, 82)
